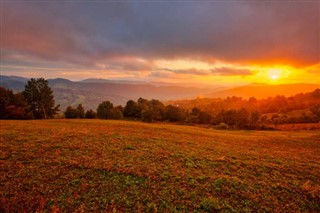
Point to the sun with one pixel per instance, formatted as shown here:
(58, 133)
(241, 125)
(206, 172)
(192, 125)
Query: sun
(274, 74)
(274, 77)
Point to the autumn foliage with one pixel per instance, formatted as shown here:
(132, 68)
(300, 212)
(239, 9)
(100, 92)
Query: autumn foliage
(37, 101)
(228, 113)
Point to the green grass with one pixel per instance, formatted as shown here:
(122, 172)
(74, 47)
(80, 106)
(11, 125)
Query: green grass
(99, 165)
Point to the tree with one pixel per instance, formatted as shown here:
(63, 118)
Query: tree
(39, 98)
(195, 111)
(316, 111)
(204, 118)
(173, 113)
(143, 105)
(90, 114)
(104, 110)
(80, 111)
(254, 119)
(241, 118)
(131, 109)
(275, 119)
(153, 112)
(71, 112)
(12, 106)
(6, 100)
(116, 113)
(193, 115)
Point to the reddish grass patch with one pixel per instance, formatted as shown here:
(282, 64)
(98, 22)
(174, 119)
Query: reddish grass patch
(100, 165)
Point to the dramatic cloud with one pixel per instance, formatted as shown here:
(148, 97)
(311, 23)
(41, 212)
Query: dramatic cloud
(314, 69)
(229, 71)
(220, 71)
(192, 71)
(126, 64)
(130, 36)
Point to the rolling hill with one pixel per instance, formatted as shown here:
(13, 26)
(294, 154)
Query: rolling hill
(264, 90)
(91, 92)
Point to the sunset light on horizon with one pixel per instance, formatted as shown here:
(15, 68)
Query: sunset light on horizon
(217, 43)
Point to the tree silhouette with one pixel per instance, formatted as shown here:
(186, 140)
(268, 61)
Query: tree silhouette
(153, 112)
(80, 111)
(254, 119)
(90, 114)
(106, 110)
(12, 106)
(71, 112)
(131, 109)
(173, 113)
(39, 98)
(316, 111)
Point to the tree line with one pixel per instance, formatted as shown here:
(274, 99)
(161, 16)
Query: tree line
(155, 111)
(276, 104)
(37, 102)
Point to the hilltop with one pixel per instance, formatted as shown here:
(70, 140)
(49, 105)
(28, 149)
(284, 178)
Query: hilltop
(260, 91)
(91, 92)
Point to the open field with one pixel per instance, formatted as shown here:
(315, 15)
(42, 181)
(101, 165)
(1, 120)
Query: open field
(100, 165)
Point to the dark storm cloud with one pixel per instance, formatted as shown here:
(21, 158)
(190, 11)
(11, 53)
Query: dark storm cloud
(91, 33)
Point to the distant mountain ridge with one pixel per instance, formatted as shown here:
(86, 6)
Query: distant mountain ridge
(264, 90)
(91, 92)
(13, 78)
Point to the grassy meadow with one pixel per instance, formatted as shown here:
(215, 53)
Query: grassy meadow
(104, 165)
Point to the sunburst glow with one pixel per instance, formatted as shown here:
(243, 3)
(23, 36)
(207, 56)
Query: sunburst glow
(274, 74)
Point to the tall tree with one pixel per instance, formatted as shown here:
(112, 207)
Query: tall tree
(39, 98)
(131, 109)
(254, 119)
(80, 111)
(104, 110)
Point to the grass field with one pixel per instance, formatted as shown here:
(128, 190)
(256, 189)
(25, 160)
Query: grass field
(99, 165)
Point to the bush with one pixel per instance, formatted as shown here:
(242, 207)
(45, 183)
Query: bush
(222, 126)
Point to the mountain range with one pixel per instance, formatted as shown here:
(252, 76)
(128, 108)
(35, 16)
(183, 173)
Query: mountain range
(91, 92)
(260, 91)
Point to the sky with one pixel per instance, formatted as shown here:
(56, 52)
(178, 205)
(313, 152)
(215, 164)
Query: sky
(214, 42)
